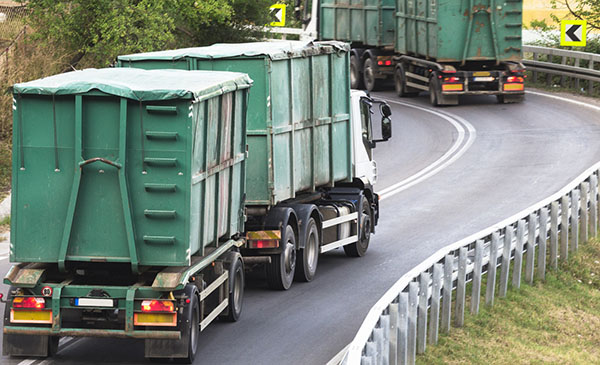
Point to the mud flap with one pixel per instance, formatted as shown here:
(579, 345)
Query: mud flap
(25, 345)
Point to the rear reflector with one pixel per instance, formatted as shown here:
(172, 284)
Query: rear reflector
(155, 319)
(30, 316)
(263, 239)
(158, 306)
(452, 87)
(513, 87)
(29, 302)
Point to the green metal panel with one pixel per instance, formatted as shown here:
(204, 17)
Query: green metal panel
(460, 31)
(299, 135)
(367, 22)
(103, 177)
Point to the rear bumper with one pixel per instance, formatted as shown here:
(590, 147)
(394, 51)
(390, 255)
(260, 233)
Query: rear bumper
(88, 332)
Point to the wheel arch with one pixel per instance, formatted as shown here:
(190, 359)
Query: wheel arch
(279, 217)
(304, 212)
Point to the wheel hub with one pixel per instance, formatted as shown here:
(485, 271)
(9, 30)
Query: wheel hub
(290, 257)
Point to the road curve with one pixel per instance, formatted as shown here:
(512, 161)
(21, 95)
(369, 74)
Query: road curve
(521, 154)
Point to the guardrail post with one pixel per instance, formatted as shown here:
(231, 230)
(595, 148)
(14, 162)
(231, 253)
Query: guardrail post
(459, 318)
(585, 222)
(564, 228)
(574, 220)
(518, 263)
(402, 344)
(476, 288)
(536, 57)
(393, 333)
(424, 280)
(562, 78)
(542, 243)
(447, 296)
(491, 271)
(529, 264)
(377, 344)
(577, 78)
(413, 300)
(504, 271)
(591, 83)
(436, 288)
(384, 344)
(554, 234)
(594, 204)
(370, 356)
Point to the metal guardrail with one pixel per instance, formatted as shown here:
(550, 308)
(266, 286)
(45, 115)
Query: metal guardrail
(412, 312)
(575, 65)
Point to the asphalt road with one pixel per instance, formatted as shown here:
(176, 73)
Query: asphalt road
(446, 174)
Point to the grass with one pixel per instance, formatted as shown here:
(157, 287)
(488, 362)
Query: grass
(554, 322)
(556, 87)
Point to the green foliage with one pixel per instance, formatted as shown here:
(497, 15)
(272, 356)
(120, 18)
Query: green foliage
(588, 10)
(95, 32)
(540, 25)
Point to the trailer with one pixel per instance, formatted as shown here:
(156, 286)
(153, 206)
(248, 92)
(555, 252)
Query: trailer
(310, 169)
(127, 208)
(449, 48)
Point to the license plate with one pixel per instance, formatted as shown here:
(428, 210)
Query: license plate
(483, 79)
(26, 316)
(94, 302)
(481, 73)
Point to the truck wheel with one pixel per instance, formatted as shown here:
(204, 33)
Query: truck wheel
(433, 98)
(356, 81)
(236, 294)
(280, 272)
(359, 248)
(308, 257)
(193, 332)
(400, 83)
(369, 74)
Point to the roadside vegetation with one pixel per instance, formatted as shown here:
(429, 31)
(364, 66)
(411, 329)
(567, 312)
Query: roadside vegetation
(554, 322)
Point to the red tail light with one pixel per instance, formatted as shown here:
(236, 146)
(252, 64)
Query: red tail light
(452, 79)
(158, 306)
(29, 303)
(263, 244)
(388, 63)
(514, 79)
(380, 63)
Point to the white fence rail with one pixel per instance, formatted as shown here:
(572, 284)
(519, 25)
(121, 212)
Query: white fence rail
(419, 305)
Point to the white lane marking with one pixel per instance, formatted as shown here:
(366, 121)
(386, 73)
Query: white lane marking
(3, 257)
(337, 359)
(459, 147)
(28, 361)
(577, 102)
(71, 342)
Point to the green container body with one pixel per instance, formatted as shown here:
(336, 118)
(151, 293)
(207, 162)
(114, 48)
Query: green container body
(172, 179)
(299, 133)
(441, 30)
(366, 22)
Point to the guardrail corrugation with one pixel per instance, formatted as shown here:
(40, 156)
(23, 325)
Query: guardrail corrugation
(578, 66)
(419, 305)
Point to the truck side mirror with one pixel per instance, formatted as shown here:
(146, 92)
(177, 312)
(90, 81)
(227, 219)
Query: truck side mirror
(386, 127)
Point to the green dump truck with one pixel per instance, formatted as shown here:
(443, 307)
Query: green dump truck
(310, 175)
(448, 48)
(139, 195)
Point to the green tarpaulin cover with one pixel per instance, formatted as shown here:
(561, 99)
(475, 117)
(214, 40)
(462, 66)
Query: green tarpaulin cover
(139, 84)
(273, 50)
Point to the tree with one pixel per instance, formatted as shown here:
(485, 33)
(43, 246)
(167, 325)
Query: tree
(94, 33)
(588, 10)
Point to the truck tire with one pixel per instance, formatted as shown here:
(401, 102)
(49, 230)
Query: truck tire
(281, 270)
(308, 257)
(356, 81)
(400, 84)
(433, 97)
(236, 292)
(193, 332)
(369, 74)
(359, 248)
